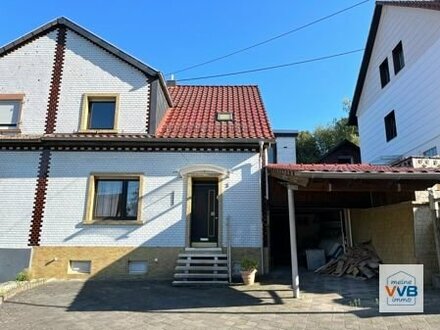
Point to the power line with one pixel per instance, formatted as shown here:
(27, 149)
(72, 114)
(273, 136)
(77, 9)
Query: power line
(271, 39)
(316, 59)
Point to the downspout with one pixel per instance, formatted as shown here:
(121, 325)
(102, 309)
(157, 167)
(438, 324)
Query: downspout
(263, 163)
(267, 211)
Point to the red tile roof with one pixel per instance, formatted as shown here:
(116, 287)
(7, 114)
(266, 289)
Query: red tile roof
(194, 114)
(348, 168)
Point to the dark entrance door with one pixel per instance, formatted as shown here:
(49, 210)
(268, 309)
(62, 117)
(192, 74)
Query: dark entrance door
(204, 212)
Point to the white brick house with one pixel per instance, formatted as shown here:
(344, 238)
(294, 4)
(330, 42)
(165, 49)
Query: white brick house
(103, 166)
(395, 104)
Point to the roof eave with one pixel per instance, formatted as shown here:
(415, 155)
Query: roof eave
(146, 69)
(359, 175)
(352, 119)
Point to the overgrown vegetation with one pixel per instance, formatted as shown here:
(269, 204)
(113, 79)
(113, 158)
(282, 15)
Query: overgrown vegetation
(311, 146)
(23, 276)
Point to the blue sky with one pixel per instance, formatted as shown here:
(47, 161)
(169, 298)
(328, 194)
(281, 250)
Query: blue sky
(170, 35)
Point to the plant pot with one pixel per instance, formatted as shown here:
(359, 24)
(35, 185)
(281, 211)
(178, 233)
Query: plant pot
(248, 276)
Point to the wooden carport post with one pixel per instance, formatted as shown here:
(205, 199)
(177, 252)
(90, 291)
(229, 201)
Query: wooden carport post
(293, 252)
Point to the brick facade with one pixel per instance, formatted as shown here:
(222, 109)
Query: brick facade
(17, 193)
(163, 199)
(90, 69)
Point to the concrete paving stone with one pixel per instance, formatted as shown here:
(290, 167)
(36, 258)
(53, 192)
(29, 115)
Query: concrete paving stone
(155, 305)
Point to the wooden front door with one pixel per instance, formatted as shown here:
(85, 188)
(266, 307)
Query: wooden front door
(204, 212)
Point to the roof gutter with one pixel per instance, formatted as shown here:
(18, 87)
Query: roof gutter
(148, 142)
(359, 176)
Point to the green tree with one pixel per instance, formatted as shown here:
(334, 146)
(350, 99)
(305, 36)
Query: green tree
(311, 146)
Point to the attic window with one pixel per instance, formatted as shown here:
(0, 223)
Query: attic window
(224, 116)
(398, 59)
(384, 73)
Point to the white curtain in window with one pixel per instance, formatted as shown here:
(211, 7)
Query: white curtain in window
(108, 198)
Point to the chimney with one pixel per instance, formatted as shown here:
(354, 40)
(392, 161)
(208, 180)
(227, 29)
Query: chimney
(171, 82)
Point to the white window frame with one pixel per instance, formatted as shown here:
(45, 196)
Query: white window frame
(16, 98)
(137, 262)
(77, 270)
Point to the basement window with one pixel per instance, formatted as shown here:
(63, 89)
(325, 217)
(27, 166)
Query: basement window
(384, 73)
(224, 116)
(137, 267)
(80, 266)
(390, 126)
(398, 59)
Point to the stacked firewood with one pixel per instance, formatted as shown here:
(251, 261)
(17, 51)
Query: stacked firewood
(360, 262)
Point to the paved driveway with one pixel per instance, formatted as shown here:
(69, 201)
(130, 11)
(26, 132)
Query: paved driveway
(326, 303)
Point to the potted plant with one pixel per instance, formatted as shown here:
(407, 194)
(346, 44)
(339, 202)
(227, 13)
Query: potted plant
(248, 268)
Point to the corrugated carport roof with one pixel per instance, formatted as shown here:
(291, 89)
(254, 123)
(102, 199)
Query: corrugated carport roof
(308, 176)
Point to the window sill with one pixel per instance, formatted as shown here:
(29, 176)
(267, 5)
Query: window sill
(11, 130)
(114, 222)
(98, 131)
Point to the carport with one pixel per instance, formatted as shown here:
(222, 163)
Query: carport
(383, 192)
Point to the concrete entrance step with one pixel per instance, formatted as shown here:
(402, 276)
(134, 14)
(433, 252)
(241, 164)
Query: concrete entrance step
(200, 250)
(202, 261)
(201, 255)
(202, 268)
(199, 283)
(200, 275)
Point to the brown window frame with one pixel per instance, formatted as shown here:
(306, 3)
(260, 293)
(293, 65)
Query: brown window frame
(390, 126)
(90, 214)
(398, 58)
(384, 72)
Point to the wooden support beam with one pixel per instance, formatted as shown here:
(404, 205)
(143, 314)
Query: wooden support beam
(291, 179)
(348, 185)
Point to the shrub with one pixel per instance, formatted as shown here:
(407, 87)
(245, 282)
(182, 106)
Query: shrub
(22, 276)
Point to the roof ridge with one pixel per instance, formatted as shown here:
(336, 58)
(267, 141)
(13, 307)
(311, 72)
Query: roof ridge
(235, 85)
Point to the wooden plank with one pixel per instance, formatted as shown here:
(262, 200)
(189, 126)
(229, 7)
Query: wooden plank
(367, 272)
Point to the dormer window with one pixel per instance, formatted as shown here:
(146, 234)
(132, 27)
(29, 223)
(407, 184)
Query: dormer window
(99, 112)
(224, 116)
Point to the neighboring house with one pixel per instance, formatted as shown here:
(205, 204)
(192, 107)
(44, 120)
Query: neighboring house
(396, 101)
(106, 172)
(345, 152)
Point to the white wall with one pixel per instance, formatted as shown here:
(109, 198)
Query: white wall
(412, 93)
(18, 178)
(90, 69)
(87, 69)
(286, 149)
(28, 70)
(164, 223)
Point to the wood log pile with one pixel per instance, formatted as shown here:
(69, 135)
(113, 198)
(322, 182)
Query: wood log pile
(359, 262)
